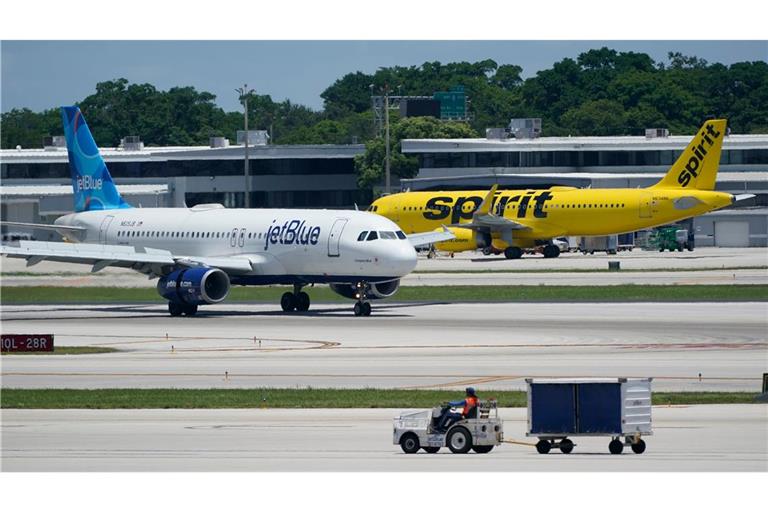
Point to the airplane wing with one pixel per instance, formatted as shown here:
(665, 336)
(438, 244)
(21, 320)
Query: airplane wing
(142, 259)
(430, 237)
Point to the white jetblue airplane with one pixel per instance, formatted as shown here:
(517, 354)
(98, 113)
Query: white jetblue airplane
(199, 252)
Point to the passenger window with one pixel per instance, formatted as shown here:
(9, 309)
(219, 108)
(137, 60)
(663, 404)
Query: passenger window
(401, 235)
(372, 236)
(362, 236)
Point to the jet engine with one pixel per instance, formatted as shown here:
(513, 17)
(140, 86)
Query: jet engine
(372, 291)
(466, 240)
(195, 286)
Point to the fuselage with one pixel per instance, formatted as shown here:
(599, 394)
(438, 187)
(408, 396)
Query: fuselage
(285, 246)
(559, 211)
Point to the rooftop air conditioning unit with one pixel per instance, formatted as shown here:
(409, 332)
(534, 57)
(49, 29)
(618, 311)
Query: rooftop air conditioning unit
(496, 133)
(219, 142)
(255, 137)
(529, 128)
(132, 143)
(654, 133)
(54, 143)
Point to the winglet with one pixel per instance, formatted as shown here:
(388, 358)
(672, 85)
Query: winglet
(485, 206)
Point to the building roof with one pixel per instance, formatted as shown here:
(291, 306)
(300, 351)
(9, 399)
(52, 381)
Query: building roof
(59, 154)
(623, 143)
(26, 191)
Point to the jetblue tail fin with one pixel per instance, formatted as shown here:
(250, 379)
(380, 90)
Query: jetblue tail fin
(697, 166)
(92, 185)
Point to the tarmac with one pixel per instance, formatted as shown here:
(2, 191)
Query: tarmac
(686, 438)
(702, 266)
(683, 346)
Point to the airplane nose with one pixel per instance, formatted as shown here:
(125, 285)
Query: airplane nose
(404, 259)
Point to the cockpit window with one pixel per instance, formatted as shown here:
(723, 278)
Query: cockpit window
(401, 235)
(372, 236)
(387, 235)
(362, 236)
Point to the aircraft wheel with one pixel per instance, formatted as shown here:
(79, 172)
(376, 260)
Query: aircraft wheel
(551, 251)
(410, 443)
(358, 309)
(288, 301)
(639, 446)
(486, 448)
(513, 253)
(616, 447)
(459, 440)
(190, 310)
(302, 301)
(175, 309)
(366, 309)
(431, 449)
(566, 446)
(543, 446)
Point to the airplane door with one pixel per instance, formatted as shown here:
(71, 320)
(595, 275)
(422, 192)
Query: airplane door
(646, 201)
(103, 228)
(335, 236)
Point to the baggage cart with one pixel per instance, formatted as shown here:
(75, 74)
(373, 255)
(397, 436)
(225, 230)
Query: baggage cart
(561, 409)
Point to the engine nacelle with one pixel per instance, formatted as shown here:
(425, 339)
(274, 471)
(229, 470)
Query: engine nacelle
(195, 286)
(466, 240)
(373, 290)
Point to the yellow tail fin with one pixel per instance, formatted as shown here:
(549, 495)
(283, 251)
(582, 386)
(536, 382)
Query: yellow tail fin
(697, 166)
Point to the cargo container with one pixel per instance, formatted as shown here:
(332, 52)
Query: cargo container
(559, 409)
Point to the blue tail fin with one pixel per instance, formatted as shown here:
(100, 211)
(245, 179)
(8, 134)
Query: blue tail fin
(91, 182)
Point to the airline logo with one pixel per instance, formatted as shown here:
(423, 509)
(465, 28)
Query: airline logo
(440, 207)
(292, 232)
(692, 168)
(88, 183)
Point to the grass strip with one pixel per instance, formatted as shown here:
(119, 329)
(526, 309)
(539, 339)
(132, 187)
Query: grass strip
(65, 351)
(271, 294)
(305, 398)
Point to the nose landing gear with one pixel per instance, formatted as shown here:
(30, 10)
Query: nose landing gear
(362, 307)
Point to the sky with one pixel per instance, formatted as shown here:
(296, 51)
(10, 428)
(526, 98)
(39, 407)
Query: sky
(44, 74)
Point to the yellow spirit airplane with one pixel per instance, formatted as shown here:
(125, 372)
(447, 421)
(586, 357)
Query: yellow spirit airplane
(511, 220)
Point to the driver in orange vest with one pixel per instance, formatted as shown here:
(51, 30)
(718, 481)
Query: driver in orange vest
(448, 418)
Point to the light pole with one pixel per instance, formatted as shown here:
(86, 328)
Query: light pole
(244, 92)
(387, 187)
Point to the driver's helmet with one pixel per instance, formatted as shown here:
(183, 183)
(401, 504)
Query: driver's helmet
(470, 391)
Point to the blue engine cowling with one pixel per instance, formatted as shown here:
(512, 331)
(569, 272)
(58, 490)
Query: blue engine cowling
(195, 286)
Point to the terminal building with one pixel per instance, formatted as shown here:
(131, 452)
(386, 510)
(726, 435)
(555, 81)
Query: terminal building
(36, 186)
(601, 162)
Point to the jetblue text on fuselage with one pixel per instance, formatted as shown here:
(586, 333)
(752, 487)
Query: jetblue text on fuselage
(292, 232)
(88, 183)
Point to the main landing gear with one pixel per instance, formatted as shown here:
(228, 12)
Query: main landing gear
(362, 307)
(513, 253)
(296, 300)
(176, 309)
(551, 251)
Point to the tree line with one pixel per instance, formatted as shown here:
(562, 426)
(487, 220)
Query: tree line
(601, 92)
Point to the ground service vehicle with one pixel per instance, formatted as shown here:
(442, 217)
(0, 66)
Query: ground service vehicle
(559, 409)
(418, 430)
(671, 238)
